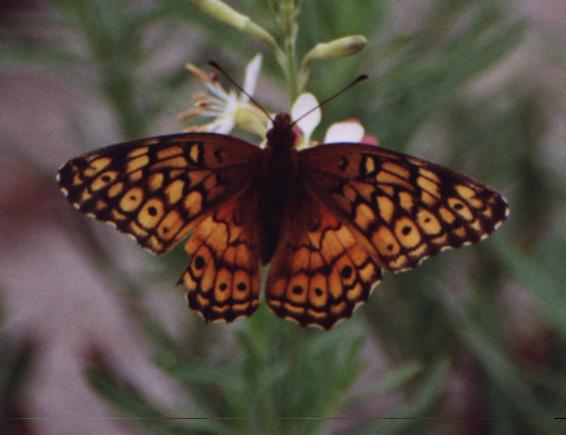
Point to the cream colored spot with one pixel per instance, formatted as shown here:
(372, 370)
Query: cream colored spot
(169, 152)
(338, 309)
(364, 216)
(103, 180)
(85, 196)
(137, 152)
(174, 162)
(367, 272)
(293, 309)
(446, 215)
(476, 225)
(96, 166)
(386, 177)
(174, 191)
(136, 176)
(440, 240)
(465, 191)
(241, 287)
(193, 203)
(396, 169)
(355, 292)
(118, 216)
(115, 190)
(190, 283)
(369, 165)
(151, 213)
(418, 252)
(386, 208)
(170, 225)
(406, 200)
(297, 289)
(137, 163)
(429, 174)
(398, 263)
(137, 230)
(194, 153)
(428, 222)
(318, 295)
(132, 199)
(429, 186)
(223, 285)
(155, 244)
(316, 314)
(77, 180)
(385, 241)
(155, 181)
(428, 199)
(460, 208)
(407, 232)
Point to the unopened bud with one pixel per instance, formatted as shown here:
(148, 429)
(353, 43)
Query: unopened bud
(337, 48)
(325, 50)
(222, 12)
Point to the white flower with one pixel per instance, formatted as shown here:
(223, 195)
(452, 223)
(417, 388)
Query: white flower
(226, 108)
(350, 130)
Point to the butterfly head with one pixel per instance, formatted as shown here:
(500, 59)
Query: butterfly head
(281, 134)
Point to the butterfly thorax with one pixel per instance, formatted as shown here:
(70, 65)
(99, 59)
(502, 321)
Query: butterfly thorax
(281, 135)
(279, 182)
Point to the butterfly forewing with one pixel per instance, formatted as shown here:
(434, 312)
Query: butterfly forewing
(157, 189)
(406, 209)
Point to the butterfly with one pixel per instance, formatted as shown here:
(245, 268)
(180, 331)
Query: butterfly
(329, 219)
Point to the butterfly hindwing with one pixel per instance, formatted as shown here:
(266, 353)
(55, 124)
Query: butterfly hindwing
(222, 277)
(320, 272)
(405, 208)
(157, 189)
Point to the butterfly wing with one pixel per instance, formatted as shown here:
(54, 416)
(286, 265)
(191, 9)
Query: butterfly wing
(223, 276)
(320, 272)
(405, 209)
(157, 189)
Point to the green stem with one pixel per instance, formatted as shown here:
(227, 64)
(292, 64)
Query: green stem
(289, 16)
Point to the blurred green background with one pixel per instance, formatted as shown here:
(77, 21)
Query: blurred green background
(95, 337)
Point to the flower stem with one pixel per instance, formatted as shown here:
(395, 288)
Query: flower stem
(289, 20)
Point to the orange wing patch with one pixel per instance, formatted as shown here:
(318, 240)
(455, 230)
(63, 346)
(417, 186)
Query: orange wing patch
(320, 273)
(157, 189)
(223, 276)
(405, 208)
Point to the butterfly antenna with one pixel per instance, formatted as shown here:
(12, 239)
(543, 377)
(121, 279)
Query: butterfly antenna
(358, 79)
(235, 83)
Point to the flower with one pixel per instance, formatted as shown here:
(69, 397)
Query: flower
(350, 130)
(227, 108)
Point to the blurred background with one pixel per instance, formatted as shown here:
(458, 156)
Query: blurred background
(95, 337)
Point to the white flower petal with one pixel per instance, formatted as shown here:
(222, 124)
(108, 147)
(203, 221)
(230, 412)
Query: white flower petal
(308, 124)
(222, 125)
(252, 73)
(347, 131)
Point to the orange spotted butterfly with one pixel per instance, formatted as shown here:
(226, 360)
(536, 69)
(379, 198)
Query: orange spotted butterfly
(328, 218)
